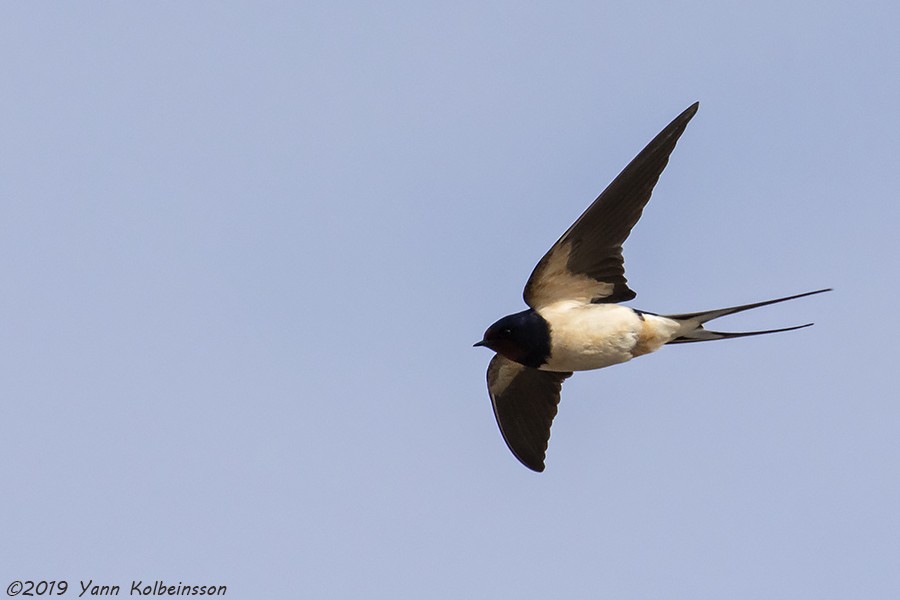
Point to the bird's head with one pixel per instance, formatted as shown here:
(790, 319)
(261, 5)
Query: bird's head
(523, 337)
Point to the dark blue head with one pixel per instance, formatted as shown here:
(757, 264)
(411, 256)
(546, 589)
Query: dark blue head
(523, 337)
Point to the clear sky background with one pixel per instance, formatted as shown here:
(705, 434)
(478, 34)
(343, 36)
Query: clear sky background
(245, 250)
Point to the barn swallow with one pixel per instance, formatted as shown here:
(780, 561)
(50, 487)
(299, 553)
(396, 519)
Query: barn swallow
(575, 322)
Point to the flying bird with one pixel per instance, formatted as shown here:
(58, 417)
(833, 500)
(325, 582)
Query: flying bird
(575, 322)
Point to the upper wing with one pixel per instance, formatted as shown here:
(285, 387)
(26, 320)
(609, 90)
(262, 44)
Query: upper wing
(524, 402)
(586, 263)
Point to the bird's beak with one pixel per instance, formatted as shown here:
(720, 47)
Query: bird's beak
(481, 343)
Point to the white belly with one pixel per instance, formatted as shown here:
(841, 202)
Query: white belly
(593, 336)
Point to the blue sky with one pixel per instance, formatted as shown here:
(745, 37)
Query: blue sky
(245, 250)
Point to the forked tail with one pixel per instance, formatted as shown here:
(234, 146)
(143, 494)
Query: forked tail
(694, 331)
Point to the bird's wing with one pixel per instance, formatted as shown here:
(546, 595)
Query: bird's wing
(524, 402)
(586, 263)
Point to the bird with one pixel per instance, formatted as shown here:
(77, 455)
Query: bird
(575, 320)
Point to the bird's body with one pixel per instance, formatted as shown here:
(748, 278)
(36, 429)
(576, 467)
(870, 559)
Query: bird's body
(592, 336)
(575, 321)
